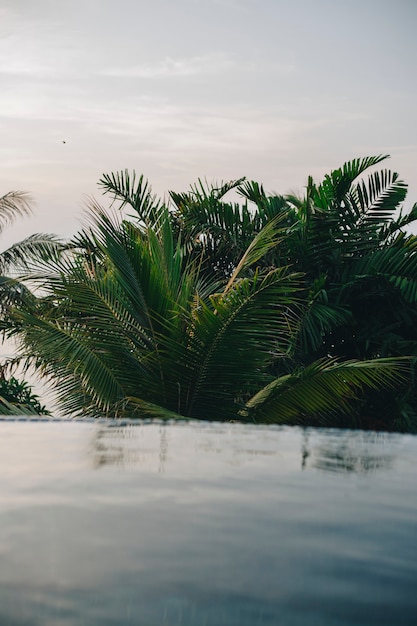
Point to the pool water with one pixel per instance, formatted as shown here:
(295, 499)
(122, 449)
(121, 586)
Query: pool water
(203, 524)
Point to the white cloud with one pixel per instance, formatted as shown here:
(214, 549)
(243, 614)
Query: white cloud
(23, 56)
(206, 64)
(209, 64)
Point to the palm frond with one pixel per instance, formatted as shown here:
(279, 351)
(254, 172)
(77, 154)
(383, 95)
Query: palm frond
(13, 292)
(133, 191)
(323, 389)
(402, 221)
(259, 247)
(11, 408)
(396, 262)
(30, 251)
(355, 168)
(317, 321)
(67, 356)
(379, 197)
(252, 191)
(232, 340)
(335, 186)
(12, 205)
(139, 408)
(203, 191)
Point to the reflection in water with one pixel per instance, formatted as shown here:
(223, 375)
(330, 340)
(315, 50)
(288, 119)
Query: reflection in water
(305, 453)
(231, 444)
(328, 450)
(359, 452)
(124, 446)
(211, 525)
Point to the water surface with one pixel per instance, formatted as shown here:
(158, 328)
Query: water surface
(206, 525)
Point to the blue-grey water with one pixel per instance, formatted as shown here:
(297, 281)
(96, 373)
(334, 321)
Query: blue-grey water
(206, 525)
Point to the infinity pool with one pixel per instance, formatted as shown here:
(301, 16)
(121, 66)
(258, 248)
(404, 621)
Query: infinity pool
(206, 525)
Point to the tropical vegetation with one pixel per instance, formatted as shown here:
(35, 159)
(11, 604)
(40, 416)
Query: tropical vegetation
(23, 255)
(275, 309)
(16, 396)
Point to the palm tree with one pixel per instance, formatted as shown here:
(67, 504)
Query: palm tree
(20, 256)
(347, 240)
(347, 236)
(132, 323)
(15, 396)
(212, 230)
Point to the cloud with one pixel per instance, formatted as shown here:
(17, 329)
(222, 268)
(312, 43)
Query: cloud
(169, 67)
(23, 57)
(25, 67)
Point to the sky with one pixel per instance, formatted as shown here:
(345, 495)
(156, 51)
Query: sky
(216, 89)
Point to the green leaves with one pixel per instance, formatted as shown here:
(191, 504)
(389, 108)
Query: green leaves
(12, 205)
(322, 391)
(138, 327)
(21, 257)
(214, 310)
(261, 244)
(377, 199)
(30, 252)
(234, 340)
(17, 398)
(134, 192)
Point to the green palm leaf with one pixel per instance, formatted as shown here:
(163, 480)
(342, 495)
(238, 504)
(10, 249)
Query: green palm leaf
(134, 192)
(12, 205)
(259, 247)
(234, 339)
(29, 252)
(323, 389)
(379, 197)
(186, 311)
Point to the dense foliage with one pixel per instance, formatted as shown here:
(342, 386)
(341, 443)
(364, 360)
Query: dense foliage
(348, 237)
(221, 310)
(17, 397)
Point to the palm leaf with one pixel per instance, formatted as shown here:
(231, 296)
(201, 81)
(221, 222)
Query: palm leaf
(233, 339)
(259, 247)
(203, 191)
(64, 354)
(379, 197)
(12, 408)
(322, 389)
(12, 205)
(401, 221)
(332, 191)
(32, 250)
(134, 192)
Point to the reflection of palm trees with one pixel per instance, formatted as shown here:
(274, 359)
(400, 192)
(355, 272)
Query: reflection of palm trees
(105, 452)
(305, 453)
(163, 447)
(347, 451)
(120, 445)
(146, 446)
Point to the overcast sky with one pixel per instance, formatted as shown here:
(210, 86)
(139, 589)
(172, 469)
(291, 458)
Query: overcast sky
(181, 89)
